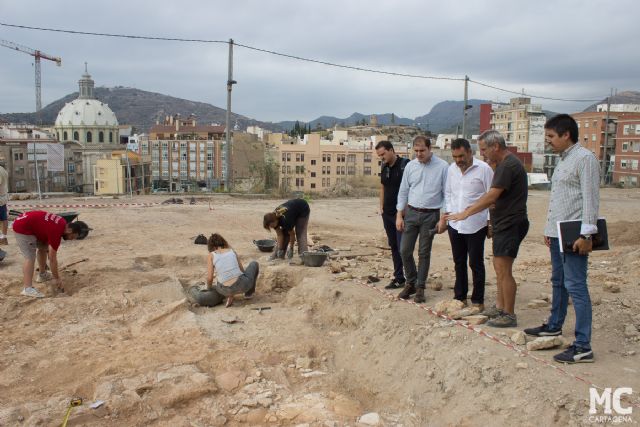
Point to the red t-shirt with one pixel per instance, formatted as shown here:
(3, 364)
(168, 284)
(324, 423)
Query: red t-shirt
(47, 227)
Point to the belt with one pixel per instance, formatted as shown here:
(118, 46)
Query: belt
(425, 210)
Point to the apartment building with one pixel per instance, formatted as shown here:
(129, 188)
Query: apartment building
(125, 172)
(317, 166)
(626, 169)
(521, 123)
(185, 155)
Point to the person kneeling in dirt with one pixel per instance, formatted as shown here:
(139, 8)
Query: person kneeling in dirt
(42, 231)
(231, 277)
(290, 220)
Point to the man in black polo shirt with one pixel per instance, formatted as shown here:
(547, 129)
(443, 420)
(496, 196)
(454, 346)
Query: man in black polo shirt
(510, 222)
(390, 179)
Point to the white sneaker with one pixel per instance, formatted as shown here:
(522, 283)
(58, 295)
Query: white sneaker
(44, 277)
(31, 292)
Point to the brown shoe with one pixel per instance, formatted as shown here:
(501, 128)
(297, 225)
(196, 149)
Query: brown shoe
(419, 297)
(480, 307)
(407, 291)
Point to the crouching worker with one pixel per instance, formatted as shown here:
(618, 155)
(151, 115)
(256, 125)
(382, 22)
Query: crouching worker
(231, 277)
(38, 234)
(290, 220)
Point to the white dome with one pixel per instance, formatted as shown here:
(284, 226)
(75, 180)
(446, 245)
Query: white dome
(86, 112)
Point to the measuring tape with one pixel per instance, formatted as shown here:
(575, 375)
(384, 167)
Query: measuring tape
(76, 401)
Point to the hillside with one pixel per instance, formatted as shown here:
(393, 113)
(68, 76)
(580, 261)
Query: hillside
(138, 108)
(626, 97)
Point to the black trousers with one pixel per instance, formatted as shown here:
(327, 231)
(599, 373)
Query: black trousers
(393, 238)
(469, 246)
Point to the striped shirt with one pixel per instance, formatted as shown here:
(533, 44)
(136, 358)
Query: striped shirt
(575, 191)
(423, 184)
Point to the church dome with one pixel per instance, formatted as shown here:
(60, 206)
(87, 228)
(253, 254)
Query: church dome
(86, 112)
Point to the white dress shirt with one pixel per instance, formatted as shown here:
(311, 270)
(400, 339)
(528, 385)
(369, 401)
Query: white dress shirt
(423, 184)
(463, 190)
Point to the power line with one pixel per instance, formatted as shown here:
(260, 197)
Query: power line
(533, 96)
(295, 57)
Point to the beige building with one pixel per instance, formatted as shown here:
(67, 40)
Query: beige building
(318, 166)
(125, 172)
(521, 123)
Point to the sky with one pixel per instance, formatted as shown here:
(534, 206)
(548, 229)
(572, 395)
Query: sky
(570, 49)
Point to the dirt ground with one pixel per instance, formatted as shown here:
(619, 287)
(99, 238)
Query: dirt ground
(329, 351)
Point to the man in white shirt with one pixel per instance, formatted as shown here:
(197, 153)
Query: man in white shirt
(468, 179)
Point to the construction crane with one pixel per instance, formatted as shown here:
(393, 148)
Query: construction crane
(36, 54)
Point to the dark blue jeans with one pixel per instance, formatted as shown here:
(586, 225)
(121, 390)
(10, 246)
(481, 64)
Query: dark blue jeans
(394, 237)
(569, 279)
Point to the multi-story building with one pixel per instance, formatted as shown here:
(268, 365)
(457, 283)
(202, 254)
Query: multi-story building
(317, 166)
(626, 170)
(22, 147)
(126, 172)
(185, 155)
(521, 123)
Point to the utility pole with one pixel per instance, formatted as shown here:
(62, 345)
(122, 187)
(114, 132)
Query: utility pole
(227, 146)
(603, 177)
(466, 106)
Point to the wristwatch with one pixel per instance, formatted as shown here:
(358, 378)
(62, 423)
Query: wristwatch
(587, 237)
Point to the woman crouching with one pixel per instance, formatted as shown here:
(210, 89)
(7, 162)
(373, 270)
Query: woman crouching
(231, 277)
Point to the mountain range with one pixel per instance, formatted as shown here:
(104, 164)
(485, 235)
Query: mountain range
(141, 109)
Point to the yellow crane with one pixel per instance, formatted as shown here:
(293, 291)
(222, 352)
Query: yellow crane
(37, 55)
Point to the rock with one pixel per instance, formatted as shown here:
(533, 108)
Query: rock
(467, 311)
(476, 319)
(336, 267)
(542, 343)
(631, 331)
(519, 338)
(435, 285)
(256, 416)
(522, 365)
(370, 419)
(611, 287)
(303, 363)
(537, 303)
(265, 401)
(449, 306)
(252, 403)
(545, 297)
(231, 380)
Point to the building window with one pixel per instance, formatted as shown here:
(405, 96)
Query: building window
(89, 137)
(313, 174)
(284, 169)
(65, 135)
(351, 170)
(623, 164)
(367, 157)
(586, 123)
(593, 137)
(634, 164)
(101, 136)
(313, 162)
(299, 182)
(625, 146)
(326, 157)
(71, 167)
(351, 158)
(636, 147)
(110, 137)
(367, 170)
(299, 157)
(76, 136)
(313, 185)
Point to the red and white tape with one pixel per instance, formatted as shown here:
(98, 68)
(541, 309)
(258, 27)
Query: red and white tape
(102, 205)
(485, 334)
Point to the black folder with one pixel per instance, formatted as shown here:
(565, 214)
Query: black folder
(569, 232)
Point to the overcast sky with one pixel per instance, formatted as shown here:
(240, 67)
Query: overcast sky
(576, 49)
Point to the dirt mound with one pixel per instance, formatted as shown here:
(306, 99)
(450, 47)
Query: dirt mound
(623, 233)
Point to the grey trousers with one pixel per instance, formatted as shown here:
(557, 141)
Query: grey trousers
(244, 284)
(417, 225)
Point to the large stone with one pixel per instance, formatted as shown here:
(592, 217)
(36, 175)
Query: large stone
(303, 363)
(435, 285)
(537, 303)
(370, 419)
(611, 287)
(467, 311)
(231, 380)
(519, 338)
(476, 319)
(542, 343)
(336, 267)
(449, 306)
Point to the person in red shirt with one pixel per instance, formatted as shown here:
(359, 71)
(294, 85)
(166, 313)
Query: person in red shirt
(38, 234)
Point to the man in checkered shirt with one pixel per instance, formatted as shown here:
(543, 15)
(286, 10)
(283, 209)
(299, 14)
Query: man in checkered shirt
(575, 195)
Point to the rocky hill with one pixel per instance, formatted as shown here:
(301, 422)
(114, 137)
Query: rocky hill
(138, 108)
(626, 97)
